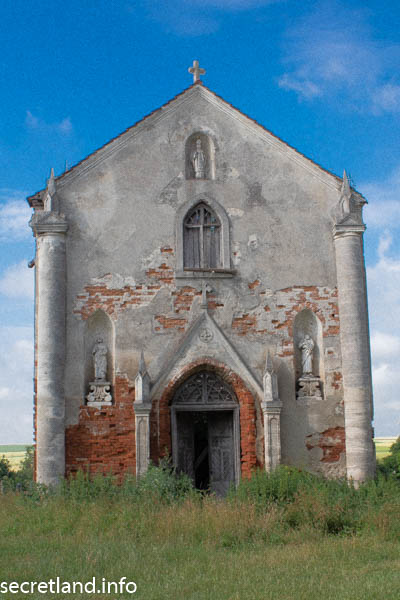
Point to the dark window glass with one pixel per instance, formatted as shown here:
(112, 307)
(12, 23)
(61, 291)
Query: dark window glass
(201, 239)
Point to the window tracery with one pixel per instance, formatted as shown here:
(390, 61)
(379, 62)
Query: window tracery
(201, 235)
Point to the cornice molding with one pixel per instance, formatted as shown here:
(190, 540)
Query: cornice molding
(48, 222)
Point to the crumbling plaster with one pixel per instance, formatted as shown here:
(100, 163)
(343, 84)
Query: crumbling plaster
(122, 218)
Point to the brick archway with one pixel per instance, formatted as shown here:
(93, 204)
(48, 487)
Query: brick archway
(161, 442)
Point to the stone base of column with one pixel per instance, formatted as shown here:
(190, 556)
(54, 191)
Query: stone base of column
(100, 394)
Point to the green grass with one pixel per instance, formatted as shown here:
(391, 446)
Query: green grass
(287, 536)
(194, 551)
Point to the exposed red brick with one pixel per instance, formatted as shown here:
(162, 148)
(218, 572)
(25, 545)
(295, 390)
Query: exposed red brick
(104, 439)
(332, 443)
(244, 324)
(337, 380)
(183, 298)
(254, 284)
(171, 322)
(213, 304)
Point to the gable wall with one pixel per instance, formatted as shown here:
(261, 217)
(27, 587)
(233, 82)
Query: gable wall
(121, 257)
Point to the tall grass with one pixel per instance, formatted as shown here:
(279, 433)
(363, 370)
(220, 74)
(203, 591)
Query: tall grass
(286, 535)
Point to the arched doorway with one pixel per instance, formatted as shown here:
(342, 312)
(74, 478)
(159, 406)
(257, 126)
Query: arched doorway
(205, 432)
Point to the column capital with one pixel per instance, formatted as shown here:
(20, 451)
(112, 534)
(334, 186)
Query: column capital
(48, 222)
(142, 409)
(342, 230)
(270, 408)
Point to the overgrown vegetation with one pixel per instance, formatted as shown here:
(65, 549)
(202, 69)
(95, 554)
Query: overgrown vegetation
(20, 479)
(390, 465)
(288, 534)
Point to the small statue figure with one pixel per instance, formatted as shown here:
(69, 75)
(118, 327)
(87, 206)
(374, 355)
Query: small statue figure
(100, 360)
(199, 161)
(306, 346)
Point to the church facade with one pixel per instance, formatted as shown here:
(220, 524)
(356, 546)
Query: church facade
(200, 293)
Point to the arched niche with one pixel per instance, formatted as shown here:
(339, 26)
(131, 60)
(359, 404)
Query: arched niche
(99, 325)
(307, 323)
(203, 143)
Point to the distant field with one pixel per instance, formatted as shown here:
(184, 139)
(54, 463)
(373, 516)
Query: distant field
(14, 453)
(382, 446)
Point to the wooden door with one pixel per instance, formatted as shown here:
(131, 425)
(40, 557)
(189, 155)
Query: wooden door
(185, 458)
(221, 451)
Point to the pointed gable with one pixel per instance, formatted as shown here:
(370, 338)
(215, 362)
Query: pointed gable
(191, 94)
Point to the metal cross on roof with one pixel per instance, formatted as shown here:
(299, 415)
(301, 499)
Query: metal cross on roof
(196, 71)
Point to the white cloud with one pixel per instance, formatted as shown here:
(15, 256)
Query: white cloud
(193, 18)
(386, 98)
(332, 53)
(64, 127)
(16, 387)
(384, 345)
(383, 209)
(17, 281)
(304, 87)
(384, 309)
(14, 216)
(384, 290)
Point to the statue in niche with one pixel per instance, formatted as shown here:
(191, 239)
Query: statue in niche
(199, 161)
(100, 360)
(306, 346)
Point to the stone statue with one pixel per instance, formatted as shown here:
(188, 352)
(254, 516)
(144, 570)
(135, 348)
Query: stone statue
(100, 360)
(307, 346)
(199, 161)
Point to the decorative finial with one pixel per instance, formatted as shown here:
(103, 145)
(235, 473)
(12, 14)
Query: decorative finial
(345, 197)
(345, 185)
(196, 71)
(142, 364)
(51, 182)
(270, 381)
(269, 367)
(50, 192)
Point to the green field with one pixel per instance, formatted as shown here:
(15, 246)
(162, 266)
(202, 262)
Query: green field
(382, 446)
(14, 453)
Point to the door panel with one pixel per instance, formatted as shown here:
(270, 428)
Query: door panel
(185, 444)
(221, 451)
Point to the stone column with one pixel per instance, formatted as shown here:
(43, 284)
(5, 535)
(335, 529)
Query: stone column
(50, 231)
(142, 407)
(356, 362)
(271, 407)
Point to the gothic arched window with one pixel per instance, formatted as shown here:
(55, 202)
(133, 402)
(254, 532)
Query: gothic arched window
(201, 239)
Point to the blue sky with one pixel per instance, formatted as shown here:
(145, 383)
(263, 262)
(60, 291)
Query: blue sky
(323, 76)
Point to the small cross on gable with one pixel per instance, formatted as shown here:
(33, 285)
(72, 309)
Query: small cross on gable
(196, 71)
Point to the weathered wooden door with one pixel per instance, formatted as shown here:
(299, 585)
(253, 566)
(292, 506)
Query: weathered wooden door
(221, 451)
(185, 444)
(206, 447)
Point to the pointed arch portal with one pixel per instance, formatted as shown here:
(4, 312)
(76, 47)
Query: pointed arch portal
(206, 432)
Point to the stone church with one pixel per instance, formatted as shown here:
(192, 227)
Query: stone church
(200, 293)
